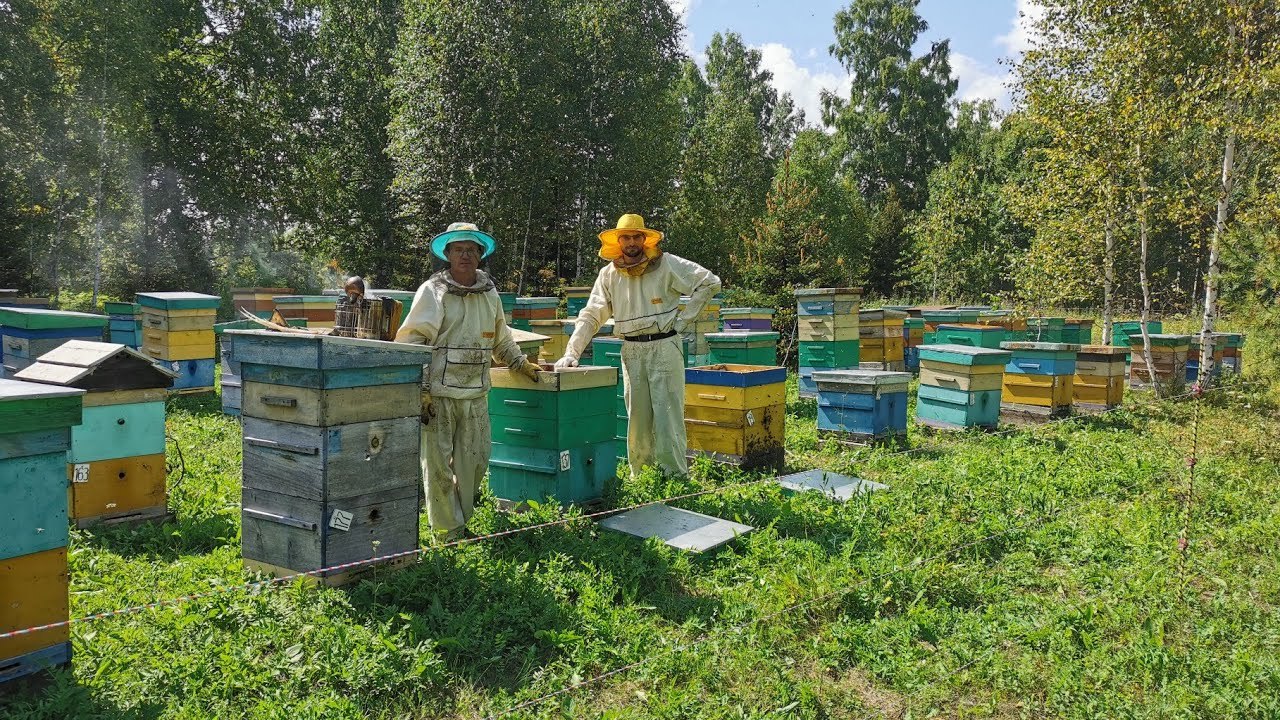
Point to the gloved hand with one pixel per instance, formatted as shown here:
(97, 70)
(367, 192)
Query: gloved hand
(566, 362)
(529, 370)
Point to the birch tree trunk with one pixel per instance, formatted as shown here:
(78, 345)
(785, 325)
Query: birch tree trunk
(1108, 276)
(1211, 277)
(1143, 279)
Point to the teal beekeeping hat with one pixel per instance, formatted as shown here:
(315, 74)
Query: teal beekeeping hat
(463, 231)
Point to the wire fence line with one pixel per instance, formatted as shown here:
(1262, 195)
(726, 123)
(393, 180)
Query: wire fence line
(258, 585)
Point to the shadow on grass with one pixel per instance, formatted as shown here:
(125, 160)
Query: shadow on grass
(206, 403)
(168, 541)
(57, 694)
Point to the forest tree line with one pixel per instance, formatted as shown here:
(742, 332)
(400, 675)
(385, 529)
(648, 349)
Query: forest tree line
(208, 144)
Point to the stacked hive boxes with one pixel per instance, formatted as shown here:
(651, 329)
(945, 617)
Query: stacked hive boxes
(1045, 329)
(533, 308)
(960, 386)
(557, 333)
(1231, 356)
(736, 413)
(575, 298)
(752, 319)
(116, 463)
(607, 352)
(1128, 333)
(862, 406)
(35, 433)
(1078, 331)
(27, 333)
(1193, 356)
(318, 310)
(258, 301)
(880, 341)
(1099, 380)
(332, 469)
(1038, 379)
(1169, 362)
(707, 322)
(971, 334)
(827, 330)
(1015, 328)
(933, 317)
(124, 324)
(553, 438)
(912, 339)
(742, 347)
(508, 305)
(177, 331)
(229, 378)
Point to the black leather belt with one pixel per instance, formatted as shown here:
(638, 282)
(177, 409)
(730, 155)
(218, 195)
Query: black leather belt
(649, 338)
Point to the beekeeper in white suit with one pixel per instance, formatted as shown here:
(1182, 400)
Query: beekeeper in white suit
(640, 289)
(458, 311)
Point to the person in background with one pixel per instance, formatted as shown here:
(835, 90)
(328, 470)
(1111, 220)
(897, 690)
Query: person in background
(640, 289)
(458, 311)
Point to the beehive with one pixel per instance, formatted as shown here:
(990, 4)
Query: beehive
(706, 323)
(935, 316)
(736, 413)
(748, 319)
(1127, 333)
(116, 464)
(1233, 353)
(1193, 356)
(588, 353)
(553, 438)
(862, 406)
(960, 386)
(880, 339)
(971, 334)
(1099, 380)
(508, 305)
(177, 331)
(1045, 329)
(123, 323)
(229, 378)
(827, 331)
(533, 308)
(1169, 362)
(1038, 379)
(575, 298)
(912, 339)
(557, 333)
(1015, 328)
(318, 310)
(745, 347)
(256, 300)
(27, 333)
(331, 446)
(530, 344)
(9, 298)
(1078, 331)
(35, 434)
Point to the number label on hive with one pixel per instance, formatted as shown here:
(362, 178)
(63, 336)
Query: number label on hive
(341, 520)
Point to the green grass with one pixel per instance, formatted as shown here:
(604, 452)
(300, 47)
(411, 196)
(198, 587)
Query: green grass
(1027, 574)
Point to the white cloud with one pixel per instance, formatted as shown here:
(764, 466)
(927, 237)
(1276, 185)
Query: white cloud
(682, 8)
(978, 82)
(1022, 36)
(805, 85)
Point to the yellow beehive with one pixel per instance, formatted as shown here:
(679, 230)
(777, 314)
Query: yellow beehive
(736, 413)
(1099, 380)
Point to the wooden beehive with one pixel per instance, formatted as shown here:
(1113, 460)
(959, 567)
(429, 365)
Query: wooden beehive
(115, 466)
(320, 311)
(35, 434)
(1100, 377)
(177, 331)
(123, 323)
(747, 319)
(743, 347)
(1169, 362)
(736, 414)
(1038, 379)
(828, 301)
(554, 438)
(331, 451)
(960, 386)
(257, 300)
(862, 406)
(27, 333)
(971, 334)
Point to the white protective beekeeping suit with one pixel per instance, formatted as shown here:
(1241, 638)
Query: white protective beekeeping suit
(652, 372)
(467, 328)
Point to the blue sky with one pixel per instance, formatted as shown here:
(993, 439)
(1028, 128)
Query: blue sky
(794, 36)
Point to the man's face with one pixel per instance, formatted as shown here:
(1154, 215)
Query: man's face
(632, 244)
(463, 255)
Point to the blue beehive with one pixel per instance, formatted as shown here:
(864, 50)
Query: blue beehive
(862, 406)
(28, 333)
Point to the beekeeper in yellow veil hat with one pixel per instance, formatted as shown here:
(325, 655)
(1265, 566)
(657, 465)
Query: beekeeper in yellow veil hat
(640, 289)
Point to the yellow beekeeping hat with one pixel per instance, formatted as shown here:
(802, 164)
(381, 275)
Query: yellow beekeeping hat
(629, 223)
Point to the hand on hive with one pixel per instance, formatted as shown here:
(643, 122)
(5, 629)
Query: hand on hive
(529, 370)
(566, 362)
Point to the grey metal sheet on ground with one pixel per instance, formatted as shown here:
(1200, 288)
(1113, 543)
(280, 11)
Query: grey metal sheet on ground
(839, 487)
(683, 529)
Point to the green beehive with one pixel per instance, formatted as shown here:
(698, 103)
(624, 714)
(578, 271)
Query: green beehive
(841, 354)
(1045, 329)
(983, 336)
(743, 348)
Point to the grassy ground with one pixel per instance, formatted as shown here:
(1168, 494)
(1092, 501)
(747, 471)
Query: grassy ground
(1028, 574)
